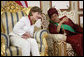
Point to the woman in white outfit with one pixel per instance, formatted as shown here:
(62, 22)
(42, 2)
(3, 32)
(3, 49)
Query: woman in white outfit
(22, 35)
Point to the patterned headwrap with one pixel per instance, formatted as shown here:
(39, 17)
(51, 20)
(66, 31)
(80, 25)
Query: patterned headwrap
(51, 11)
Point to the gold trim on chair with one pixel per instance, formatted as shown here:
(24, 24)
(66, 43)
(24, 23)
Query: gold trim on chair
(12, 6)
(2, 47)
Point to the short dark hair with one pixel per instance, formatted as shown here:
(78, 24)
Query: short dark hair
(35, 9)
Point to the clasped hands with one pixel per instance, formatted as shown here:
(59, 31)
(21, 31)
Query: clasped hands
(26, 35)
(60, 23)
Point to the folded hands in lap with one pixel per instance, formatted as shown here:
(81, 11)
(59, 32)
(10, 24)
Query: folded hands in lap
(26, 35)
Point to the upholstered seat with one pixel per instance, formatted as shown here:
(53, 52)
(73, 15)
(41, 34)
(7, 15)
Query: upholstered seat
(57, 45)
(8, 20)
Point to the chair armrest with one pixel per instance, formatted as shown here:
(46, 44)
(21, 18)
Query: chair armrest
(5, 39)
(58, 37)
(56, 45)
(40, 38)
(13, 51)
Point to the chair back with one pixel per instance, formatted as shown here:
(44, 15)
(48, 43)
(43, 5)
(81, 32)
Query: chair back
(9, 19)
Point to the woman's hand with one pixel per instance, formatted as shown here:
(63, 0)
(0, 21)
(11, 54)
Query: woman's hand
(64, 19)
(60, 23)
(38, 23)
(26, 35)
(58, 28)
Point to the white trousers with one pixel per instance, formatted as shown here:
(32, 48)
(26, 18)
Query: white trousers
(27, 45)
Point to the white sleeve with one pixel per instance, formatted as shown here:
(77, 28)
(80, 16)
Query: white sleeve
(29, 28)
(18, 28)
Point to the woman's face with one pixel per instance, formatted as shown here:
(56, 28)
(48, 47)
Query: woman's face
(55, 18)
(36, 15)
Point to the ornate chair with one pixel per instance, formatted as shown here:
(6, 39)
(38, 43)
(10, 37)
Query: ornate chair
(10, 15)
(56, 42)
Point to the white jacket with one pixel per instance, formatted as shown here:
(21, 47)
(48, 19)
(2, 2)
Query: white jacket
(23, 26)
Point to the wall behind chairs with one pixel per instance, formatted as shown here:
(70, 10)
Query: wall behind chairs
(76, 6)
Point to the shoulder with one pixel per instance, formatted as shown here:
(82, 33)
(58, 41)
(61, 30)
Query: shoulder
(24, 18)
(51, 25)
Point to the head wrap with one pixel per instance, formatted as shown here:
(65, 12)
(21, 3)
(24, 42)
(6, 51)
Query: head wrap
(51, 11)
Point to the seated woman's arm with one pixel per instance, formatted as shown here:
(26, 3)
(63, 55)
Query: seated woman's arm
(76, 27)
(52, 29)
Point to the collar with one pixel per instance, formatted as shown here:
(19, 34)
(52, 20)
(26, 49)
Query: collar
(30, 19)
